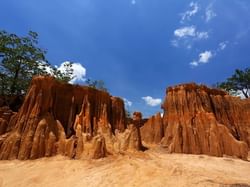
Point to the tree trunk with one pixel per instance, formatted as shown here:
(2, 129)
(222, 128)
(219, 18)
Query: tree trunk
(13, 89)
(245, 93)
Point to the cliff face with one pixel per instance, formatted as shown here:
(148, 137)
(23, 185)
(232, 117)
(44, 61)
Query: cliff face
(78, 122)
(61, 118)
(152, 131)
(200, 120)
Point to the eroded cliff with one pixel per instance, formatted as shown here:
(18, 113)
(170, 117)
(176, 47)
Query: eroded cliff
(152, 131)
(200, 120)
(82, 122)
(58, 118)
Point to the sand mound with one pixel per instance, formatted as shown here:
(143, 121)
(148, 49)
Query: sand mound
(151, 168)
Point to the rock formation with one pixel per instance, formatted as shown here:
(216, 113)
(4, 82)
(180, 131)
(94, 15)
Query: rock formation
(3, 126)
(5, 117)
(200, 120)
(82, 122)
(152, 131)
(50, 118)
(134, 141)
(74, 121)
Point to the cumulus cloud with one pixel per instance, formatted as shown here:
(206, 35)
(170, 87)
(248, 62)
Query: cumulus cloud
(194, 63)
(151, 101)
(43, 65)
(185, 31)
(127, 102)
(79, 72)
(194, 8)
(204, 58)
(188, 35)
(190, 31)
(210, 14)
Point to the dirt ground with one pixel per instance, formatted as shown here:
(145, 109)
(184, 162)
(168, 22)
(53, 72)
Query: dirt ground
(151, 168)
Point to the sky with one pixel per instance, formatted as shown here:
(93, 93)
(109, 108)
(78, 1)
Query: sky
(138, 47)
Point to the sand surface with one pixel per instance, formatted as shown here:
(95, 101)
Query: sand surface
(151, 168)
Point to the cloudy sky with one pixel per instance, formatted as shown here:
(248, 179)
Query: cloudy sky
(138, 47)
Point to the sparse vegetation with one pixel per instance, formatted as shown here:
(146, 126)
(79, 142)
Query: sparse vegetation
(238, 83)
(97, 84)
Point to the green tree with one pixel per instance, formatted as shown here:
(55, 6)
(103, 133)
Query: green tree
(64, 75)
(20, 59)
(239, 82)
(97, 84)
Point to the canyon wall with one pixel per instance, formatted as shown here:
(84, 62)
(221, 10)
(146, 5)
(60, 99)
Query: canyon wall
(200, 120)
(58, 118)
(83, 122)
(152, 131)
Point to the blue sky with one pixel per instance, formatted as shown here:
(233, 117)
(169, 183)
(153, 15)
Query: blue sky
(139, 47)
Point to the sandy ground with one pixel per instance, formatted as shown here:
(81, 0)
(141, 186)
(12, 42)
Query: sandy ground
(151, 168)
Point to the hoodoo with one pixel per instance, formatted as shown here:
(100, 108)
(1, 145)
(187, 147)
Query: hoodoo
(200, 120)
(83, 122)
(60, 118)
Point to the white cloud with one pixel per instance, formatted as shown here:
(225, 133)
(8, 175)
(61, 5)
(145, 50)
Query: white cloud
(204, 58)
(194, 8)
(210, 14)
(127, 102)
(194, 63)
(202, 35)
(43, 65)
(133, 2)
(222, 45)
(152, 101)
(187, 35)
(185, 31)
(190, 31)
(79, 72)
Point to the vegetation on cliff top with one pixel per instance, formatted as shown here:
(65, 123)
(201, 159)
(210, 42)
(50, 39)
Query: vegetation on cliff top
(238, 83)
(21, 58)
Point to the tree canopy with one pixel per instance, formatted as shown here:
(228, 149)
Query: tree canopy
(97, 84)
(21, 59)
(238, 83)
(65, 75)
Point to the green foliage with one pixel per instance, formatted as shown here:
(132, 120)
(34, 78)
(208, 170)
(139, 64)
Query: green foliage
(66, 75)
(238, 82)
(21, 59)
(97, 84)
(128, 114)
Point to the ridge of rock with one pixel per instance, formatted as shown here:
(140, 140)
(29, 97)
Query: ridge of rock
(58, 118)
(152, 131)
(201, 120)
